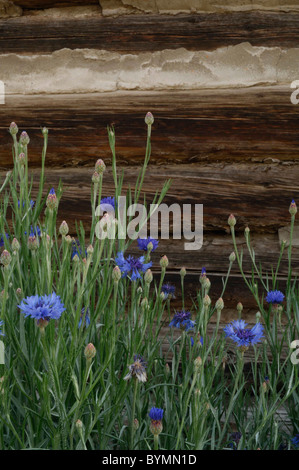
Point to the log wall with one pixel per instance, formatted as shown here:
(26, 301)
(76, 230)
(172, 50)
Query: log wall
(217, 77)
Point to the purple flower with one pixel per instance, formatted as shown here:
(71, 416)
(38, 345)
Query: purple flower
(2, 239)
(182, 320)
(107, 203)
(244, 337)
(31, 204)
(84, 318)
(156, 414)
(144, 242)
(168, 290)
(131, 266)
(46, 307)
(274, 297)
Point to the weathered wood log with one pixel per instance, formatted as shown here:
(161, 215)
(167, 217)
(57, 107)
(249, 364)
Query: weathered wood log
(248, 124)
(41, 4)
(139, 33)
(258, 194)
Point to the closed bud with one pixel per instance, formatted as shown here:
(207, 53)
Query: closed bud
(33, 242)
(164, 262)
(239, 307)
(24, 138)
(100, 167)
(90, 352)
(231, 220)
(79, 424)
(15, 245)
(246, 232)
(64, 228)
(116, 274)
(232, 257)
(148, 277)
(258, 316)
(219, 304)
(68, 239)
(183, 272)
(89, 250)
(22, 159)
(149, 119)
(19, 293)
(144, 304)
(13, 129)
(45, 131)
(197, 363)
(5, 258)
(206, 283)
(95, 177)
(135, 424)
(206, 301)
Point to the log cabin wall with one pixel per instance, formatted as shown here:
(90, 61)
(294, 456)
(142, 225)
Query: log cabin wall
(216, 75)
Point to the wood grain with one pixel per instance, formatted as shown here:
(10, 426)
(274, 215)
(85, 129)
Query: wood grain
(139, 33)
(41, 4)
(247, 124)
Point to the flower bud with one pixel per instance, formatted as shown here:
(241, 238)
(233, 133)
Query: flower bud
(258, 316)
(52, 201)
(231, 221)
(22, 159)
(149, 119)
(239, 308)
(13, 129)
(148, 277)
(5, 258)
(232, 257)
(90, 351)
(164, 262)
(183, 272)
(144, 304)
(219, 304)
(206, 301)
(33, 242)
(68, 239)
(100, 167)
(24, 138)
(89, 250)
(79, 424)
(197, 363)
(206, 283)
(15, 245)
(64, 228)
(19, 293)
(293, 208)
(135, 424)
(45, 131)
(116, 274)
(247, 232)
(95, 178)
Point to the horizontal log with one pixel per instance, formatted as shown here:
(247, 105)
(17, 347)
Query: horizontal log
(252, 124)
(139, 33)
(258, 194)
(41, 4)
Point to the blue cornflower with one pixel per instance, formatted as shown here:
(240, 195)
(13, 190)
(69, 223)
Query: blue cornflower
(131, 266)
(156, 414)
(274, 297)
(31, 203)
(76, 249)
(192, 341)
(295, 441)
(1, 323)
(46, 307)
(168, 290)
(182, 320)
(107, 203)
(84, 318)
(244, 337)
(2, 239)
(143, 243)
(34, 231)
